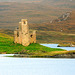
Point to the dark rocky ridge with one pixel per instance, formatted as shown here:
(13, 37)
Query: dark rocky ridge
(65, 56)
(55, 56)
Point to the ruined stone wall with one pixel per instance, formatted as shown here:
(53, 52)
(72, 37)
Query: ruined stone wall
(15, 37)
(25, 33)
(33, 37)
(22, 35)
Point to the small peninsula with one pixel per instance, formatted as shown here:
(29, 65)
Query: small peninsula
(24, 44)
(33, 50)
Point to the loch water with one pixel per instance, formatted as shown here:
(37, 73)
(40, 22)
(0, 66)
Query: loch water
(36, 66)
(55, 46)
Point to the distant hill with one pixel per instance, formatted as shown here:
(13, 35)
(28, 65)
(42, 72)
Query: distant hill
(22, 1)
(36, 11)
(48, 17)
(64, 23)
(48, 36)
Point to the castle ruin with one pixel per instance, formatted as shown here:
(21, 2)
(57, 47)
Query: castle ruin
(22, 34)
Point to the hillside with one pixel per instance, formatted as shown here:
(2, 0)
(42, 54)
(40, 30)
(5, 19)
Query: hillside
(8, 46)
(59, 3)
(67, 23)
(48, 36)
(22, 1)
(33, 50)
(11, 13)
(59, 30)
(36, 11)
(60, 24)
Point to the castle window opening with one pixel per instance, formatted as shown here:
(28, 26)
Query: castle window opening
(22, 35)
(31, 36)
(17, 34)
(24, 22)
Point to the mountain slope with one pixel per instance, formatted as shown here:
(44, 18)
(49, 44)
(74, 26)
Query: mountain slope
(11, 13)
(47, 36)
(36, 11)
(67, 25)
(21, 1)
(7, 46)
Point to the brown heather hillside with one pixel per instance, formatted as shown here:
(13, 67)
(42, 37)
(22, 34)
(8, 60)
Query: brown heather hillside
(11, 13)
(36, 11)
(40, 13)
(48, 36)
(51, 32)
(67, 25)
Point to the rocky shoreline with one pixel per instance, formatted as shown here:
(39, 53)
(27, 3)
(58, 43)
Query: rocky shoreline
(70, 55)
(65, 56)
(66, 45)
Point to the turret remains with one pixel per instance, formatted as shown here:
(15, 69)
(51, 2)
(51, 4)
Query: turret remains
(22, 34)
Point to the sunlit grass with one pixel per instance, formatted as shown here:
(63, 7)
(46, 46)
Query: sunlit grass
(7, 45)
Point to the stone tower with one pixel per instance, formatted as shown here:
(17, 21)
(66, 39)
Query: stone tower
(33, 37)
(22, 35)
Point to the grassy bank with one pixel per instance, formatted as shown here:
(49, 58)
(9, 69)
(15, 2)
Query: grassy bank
(7, 45)
(52, 54)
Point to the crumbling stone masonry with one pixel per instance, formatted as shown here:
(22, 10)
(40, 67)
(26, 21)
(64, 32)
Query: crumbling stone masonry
(22, 34)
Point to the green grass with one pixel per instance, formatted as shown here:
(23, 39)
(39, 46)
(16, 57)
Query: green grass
(7, 45)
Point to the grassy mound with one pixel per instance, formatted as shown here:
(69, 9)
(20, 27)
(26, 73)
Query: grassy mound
(7, 45)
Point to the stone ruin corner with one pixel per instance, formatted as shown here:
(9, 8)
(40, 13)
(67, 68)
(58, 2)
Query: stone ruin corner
(22, 34)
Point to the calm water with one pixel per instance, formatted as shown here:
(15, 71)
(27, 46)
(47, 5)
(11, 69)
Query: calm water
(55, 46)
(36, 66)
